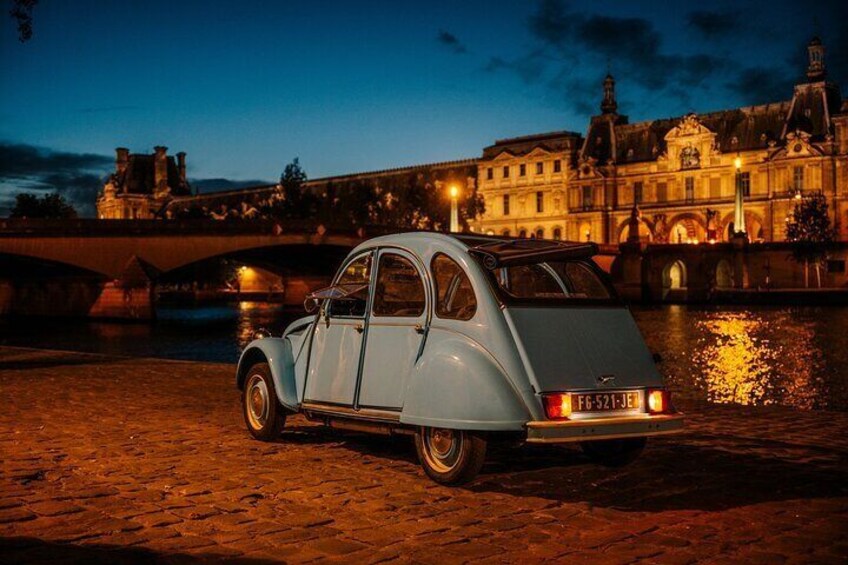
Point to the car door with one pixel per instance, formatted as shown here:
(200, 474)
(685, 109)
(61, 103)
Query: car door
(339, 334)
(397, 322)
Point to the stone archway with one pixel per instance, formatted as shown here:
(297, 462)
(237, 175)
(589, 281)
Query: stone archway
(754, 225)
(687, 228)
(646, 231)
(675, 275)
(584, 232)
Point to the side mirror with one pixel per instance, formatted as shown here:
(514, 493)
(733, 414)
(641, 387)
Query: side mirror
(311, 305)
(657, 358)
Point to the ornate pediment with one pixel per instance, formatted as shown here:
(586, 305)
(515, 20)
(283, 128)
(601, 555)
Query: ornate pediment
(587, 168)
(504, 155)
(797, 145)
(690, 143)
(538, 152)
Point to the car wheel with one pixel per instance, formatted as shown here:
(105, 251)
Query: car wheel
(450, 457)
(614, 452)
(263, 414)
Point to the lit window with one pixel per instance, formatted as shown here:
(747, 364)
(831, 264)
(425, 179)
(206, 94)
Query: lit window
(745, 181)
(690, 189)
(798, 178)
(587, 198)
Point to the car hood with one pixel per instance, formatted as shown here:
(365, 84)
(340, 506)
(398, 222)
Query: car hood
(574, 348)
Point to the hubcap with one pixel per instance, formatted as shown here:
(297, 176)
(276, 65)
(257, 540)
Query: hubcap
(257, 401)
(442, 448)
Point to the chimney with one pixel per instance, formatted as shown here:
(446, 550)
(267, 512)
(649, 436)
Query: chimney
(160, 170)
(122, 156)
(181, 166)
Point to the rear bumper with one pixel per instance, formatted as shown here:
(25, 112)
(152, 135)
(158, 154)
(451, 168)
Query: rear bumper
(603, 428)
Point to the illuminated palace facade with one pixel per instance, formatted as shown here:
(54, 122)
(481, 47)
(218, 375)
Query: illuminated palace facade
(679, 173)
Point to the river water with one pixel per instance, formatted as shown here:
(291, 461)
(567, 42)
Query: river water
(742, 355)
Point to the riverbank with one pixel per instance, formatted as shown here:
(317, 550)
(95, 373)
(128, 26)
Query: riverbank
(107, 458)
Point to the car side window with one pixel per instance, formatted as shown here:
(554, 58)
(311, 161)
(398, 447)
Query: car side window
(357, 272)
(455, 298)
(400, 290)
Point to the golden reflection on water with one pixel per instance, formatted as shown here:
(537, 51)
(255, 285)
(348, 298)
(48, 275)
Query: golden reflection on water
(745, 358)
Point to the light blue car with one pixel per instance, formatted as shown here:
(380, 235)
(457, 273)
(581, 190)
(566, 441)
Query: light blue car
(460, 340)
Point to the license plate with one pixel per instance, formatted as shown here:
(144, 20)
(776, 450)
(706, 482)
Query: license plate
(604, 401)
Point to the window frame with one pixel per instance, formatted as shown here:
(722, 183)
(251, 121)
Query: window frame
(326, 307)
(505, 204)
(422, 277)
(540, 202)
(540, 167)
(436, 288)
(522, 170)
(506, 171)
(557, 165)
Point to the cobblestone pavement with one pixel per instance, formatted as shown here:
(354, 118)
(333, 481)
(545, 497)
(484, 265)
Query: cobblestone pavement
(129, 460)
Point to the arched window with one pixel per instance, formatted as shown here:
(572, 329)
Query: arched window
(522, 234)
(505, 233)
(557, 234)
(540, 233)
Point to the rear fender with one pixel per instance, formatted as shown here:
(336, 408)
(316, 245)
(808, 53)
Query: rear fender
(277, 352)
(459, 385)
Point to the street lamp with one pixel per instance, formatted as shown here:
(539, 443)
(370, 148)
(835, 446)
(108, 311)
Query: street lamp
(738, 208)
(454, 195)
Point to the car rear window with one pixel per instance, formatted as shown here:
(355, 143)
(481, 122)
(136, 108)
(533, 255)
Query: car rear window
(553, 281)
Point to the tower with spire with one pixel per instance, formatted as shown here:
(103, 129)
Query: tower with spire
(608, 104)
(816, 70)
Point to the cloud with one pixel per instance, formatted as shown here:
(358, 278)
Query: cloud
(451, 41)
(713, 25)
(570, 51)
(27, 168)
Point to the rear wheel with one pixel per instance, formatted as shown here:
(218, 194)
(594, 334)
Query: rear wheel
(263, 413)
(614, 452)
(450, 457)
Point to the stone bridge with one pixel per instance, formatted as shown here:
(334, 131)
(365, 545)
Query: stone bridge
(110, 269)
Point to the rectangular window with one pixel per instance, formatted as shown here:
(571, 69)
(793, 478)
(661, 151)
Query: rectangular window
(506, 205)
(662, 192)
(506, 172)
(401, 292)
(715, 187)
(540, 202)
(745, 180)
(637, 192)
(798, 178)
(587, 198)
(522, 170)
(490, 173)
(690, 189)
(540, 168)
(557, 166)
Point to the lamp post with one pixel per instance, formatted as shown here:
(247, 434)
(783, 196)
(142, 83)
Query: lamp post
(738, 208)
(454, 195)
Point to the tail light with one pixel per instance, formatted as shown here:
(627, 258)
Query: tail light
(659, 401)
(557, 405)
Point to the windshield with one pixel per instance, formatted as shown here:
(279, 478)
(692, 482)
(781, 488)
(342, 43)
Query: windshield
(553, 281)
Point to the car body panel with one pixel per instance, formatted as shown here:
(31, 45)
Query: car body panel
(332, 378)
(277, 352)
(580, 348)
(459, 385)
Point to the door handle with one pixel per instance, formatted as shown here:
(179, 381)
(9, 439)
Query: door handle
(359, 328)
(420, 329)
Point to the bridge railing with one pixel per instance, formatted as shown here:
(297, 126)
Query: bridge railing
(94, 227)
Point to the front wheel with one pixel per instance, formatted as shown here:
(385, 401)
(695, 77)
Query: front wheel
(450, 457)
(263, 414)
(614, 452)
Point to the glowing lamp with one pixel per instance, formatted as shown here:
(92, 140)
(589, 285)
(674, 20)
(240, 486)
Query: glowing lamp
(737, 163)
(557, 406)
(798, 195)
(454, 191)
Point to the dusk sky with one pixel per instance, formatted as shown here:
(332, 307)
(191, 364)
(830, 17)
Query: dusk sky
(243, 87)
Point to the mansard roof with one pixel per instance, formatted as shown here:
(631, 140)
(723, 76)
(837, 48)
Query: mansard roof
(741, 129)
(555, 141)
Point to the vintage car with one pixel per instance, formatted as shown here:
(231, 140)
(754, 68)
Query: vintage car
(460, 340)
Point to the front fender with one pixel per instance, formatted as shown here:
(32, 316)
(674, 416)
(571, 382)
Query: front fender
(459, 385)
(277, 352)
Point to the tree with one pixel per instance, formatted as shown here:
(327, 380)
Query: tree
(292, 181)
(21, 12)
(48, 206)
(810, 230)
